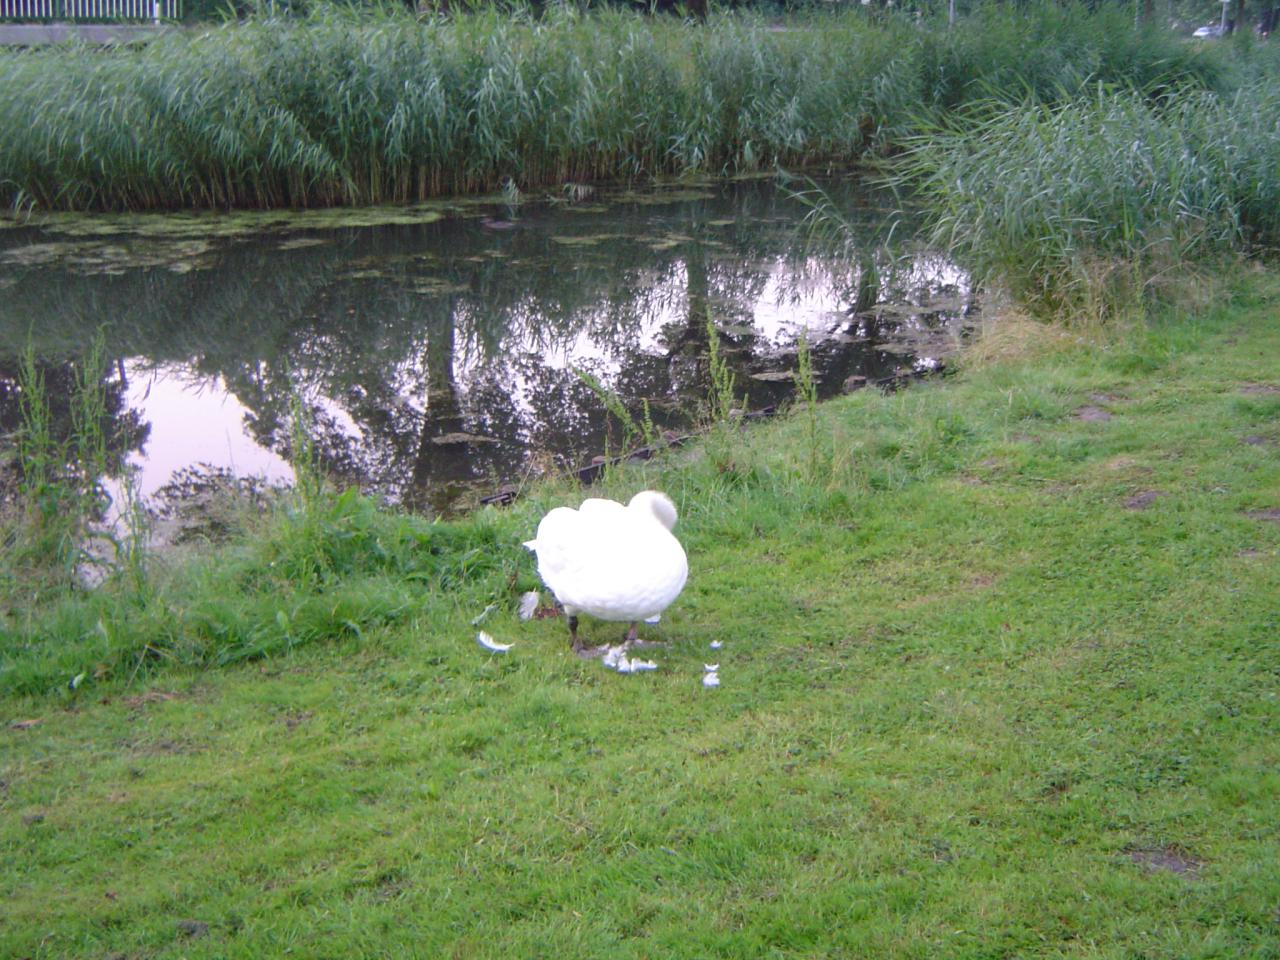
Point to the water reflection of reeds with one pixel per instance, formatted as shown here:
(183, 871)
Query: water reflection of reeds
(433, 357)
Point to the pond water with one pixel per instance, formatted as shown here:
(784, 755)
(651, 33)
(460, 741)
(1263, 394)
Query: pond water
(438, 351)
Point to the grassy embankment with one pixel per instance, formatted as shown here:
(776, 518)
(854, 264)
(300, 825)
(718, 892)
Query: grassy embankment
(338, 108)
(998, 679)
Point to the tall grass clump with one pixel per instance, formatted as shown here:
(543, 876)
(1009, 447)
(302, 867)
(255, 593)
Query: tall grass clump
(343, 106)
(1078, 206)
(59, 494)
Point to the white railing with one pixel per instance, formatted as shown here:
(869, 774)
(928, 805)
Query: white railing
(155, 10)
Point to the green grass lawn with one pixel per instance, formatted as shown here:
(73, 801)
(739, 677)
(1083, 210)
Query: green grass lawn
(999, 679)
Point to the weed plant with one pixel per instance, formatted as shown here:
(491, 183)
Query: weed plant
(59, 495)
(807, 394)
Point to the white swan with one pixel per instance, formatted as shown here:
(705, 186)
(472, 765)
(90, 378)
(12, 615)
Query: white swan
(610, 561)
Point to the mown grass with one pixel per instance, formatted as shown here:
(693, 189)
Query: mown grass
(972, 690)
(345, 107)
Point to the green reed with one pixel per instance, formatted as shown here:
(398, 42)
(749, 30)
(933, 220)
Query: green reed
(1075, 204)
(337, 107)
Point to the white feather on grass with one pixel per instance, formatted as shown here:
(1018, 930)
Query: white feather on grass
(711, 679)
(529, 604)
(615, 658)
(483, 615)
(488, 643)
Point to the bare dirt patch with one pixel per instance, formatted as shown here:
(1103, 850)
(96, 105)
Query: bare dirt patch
(151, 696)
(1092, 414)
(1120, 463)
(1257, 440)
(1142, 499)
(297, 718)
(1271, 514)
(1166, 860)
(192, 929)
(1268, 389)
(159, 748)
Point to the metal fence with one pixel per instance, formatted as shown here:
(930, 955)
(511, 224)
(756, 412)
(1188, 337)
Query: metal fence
(89, 11)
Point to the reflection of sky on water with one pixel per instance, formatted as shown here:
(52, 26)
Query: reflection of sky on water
(440, 358)
(194, 419)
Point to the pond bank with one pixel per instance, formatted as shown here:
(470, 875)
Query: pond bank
(996, 660)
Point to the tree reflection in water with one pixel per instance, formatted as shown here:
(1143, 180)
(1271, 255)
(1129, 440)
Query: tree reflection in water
(438, 359)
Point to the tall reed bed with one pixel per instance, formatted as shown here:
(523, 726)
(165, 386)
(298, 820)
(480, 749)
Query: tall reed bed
(1049, 52)
(1071, 205)
(345, 108)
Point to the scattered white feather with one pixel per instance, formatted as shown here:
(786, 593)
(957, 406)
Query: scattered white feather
(711, 667)
(654, 619)
(634, 666)
(529, 604)
(615, 658)
(717, 644)
(488, 643)
(481, 617)
(711, 679)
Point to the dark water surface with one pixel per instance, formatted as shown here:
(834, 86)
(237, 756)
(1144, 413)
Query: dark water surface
(436, 355)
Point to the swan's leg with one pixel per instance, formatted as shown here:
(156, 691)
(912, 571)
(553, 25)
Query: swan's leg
(585, 652)
(631, 635)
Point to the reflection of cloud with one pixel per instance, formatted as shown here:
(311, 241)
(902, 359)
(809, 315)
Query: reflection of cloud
(194, 419)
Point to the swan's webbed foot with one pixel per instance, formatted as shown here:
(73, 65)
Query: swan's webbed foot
(579, 648)
(631, 640)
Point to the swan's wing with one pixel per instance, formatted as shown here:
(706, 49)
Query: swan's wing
(563, 547)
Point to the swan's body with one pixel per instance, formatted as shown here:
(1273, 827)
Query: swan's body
(610, 561)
